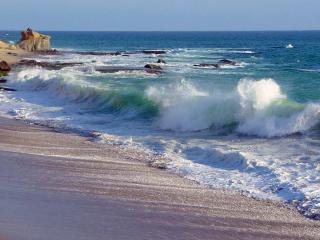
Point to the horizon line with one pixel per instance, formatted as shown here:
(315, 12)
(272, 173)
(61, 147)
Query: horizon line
(284, 30)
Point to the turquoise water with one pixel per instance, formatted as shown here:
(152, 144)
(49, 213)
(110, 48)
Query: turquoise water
(252, 127)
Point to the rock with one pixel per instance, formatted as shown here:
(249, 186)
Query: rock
(3, 80)
(48, 52)
(153, 51)
(216, 65)
(227, 62)
(221, 63)
(47, 65)
(161, 61)
(4, 66)
(153, 67)
(7, 89)
(116, 69)
(34, 41)
(99, 53)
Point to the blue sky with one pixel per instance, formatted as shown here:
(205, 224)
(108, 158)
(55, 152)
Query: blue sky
(160, 15)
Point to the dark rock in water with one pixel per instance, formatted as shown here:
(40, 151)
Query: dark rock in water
(48, 52)
(116, 69)
(227, 62)
(47, 65)
(153, 67)
(216, 65)
(4, 66)
(161, 61)
(3, 80)
(7, 89)
(125, 55)
(221, 63)
(153, 51)
(98, 53)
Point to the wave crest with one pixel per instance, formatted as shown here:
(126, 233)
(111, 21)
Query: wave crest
(255, 107)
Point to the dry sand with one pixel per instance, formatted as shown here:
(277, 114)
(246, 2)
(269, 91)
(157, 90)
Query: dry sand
(65, 186)
(12, 56)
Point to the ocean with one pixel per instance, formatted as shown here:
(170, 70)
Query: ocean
(252, 127)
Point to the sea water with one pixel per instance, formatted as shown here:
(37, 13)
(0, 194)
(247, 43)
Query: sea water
(253, 127)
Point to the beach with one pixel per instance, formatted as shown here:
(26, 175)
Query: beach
(64, 186)
(80, 160)
(12, 56)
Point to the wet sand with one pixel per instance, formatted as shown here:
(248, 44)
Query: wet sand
(65, 186)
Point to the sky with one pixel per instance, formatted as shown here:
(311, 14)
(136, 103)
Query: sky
(160, 15)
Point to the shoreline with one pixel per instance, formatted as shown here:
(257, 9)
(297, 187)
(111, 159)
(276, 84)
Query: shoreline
(120, 195)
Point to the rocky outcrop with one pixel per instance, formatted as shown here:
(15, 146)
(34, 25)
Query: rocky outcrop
(34, 41)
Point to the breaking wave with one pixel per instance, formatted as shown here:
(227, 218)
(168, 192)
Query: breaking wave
(254, 107)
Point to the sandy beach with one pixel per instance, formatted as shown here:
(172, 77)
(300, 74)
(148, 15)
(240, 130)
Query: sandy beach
(12, 56)
(64, 186)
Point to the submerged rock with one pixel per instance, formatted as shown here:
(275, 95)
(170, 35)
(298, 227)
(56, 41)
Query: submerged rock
(153, 67)
(48, 52)
(47, 65)
(3, 80)
(116, 69)
(98, 53)
(219, 64)
(153, 51)
(161, 61)
(7, 89)
(227, 62)
(34, 41)
(216, 65)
